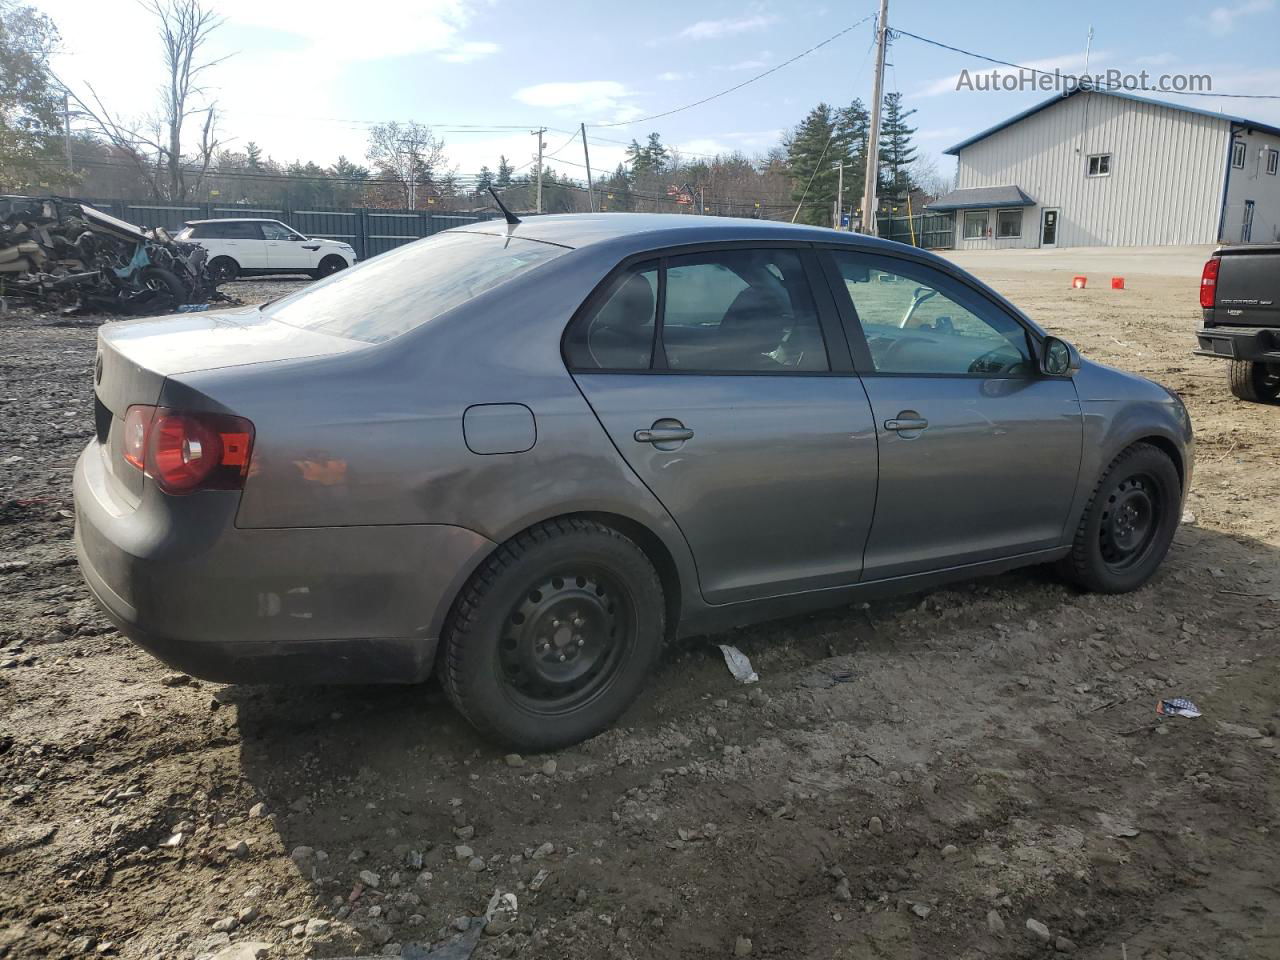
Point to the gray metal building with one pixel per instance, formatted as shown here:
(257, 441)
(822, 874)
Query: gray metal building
(1105, 168)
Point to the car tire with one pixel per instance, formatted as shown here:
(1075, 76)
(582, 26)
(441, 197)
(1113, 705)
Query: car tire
(1128, 523)
(554, 636)
(222, 270)
(329, 265)
(1253, 381)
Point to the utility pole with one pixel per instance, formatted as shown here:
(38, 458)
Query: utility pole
(66, 130)
(538, 133)
(839, 208)
(869, 225)
(591, 195)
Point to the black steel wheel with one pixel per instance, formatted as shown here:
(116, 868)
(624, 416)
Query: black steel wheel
(553, 636)
(1129, 522)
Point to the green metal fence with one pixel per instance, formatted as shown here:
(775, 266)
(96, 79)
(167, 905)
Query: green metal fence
(933, 231)
(370, 231)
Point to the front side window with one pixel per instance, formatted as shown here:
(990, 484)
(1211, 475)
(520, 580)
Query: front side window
(1237, 154)
(276, 231)
(1100, 165)
(410, 285)
(1009, 224)
(741, 311)
(975, 224)
(919, 321)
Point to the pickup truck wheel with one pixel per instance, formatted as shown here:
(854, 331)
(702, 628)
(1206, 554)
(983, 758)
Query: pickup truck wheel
(1256, 382)
(329, 265)
(223, 269)
(1128, 524)
(554, 635)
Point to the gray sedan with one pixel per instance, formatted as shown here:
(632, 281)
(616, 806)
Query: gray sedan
(526, 455)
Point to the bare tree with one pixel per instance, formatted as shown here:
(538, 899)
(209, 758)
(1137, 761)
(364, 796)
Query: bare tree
(155, 145)
(410, 154)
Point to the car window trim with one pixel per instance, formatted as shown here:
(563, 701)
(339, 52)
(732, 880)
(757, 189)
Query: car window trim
(857, 335)
(829, 319)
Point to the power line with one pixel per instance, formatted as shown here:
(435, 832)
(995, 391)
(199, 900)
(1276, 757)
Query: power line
(1052, 73)
(737, 86)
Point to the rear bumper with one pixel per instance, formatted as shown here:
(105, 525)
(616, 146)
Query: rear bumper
(297, 605)
(1240, 343)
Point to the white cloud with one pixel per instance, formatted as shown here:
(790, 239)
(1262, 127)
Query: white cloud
(671, 76)
(588, 97)
(1066, 63)
(469, 50)
(1222, 20)
(712, 29)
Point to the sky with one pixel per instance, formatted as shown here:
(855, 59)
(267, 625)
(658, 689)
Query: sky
(306, 78)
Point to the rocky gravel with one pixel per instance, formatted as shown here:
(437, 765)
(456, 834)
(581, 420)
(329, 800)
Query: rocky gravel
(973, 772)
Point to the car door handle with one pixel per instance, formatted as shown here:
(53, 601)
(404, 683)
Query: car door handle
(664, 435)
(906, 424)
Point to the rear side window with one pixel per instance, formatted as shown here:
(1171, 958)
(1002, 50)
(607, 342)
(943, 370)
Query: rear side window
(411, 285)
(618, 335)
(226, 230)
(732, 311)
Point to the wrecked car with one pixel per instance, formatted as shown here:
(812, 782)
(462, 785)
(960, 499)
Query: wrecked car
(70, 256)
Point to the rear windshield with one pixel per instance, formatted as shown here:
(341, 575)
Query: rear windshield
(397, 291)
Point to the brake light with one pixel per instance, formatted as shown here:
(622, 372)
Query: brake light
(185, 452)
(1209, 283)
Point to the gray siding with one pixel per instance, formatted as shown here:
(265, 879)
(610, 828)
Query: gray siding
(1165, 186)
(1253, 183)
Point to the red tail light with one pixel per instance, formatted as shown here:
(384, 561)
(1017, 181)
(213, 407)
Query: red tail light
(1209, 283)
(185, 452)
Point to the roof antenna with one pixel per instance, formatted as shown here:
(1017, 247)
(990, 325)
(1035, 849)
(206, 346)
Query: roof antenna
(512, 219)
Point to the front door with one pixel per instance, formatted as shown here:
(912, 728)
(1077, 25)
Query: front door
(755, 436)
(287, 249)
(978, 451)
(1049, 227)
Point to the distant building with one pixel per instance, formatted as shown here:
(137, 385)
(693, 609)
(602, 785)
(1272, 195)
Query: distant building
(1104, 168)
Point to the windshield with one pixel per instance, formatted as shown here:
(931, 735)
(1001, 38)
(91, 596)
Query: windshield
(397, 291)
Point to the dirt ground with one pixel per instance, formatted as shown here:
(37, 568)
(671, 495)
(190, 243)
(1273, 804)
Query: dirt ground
(921, 779)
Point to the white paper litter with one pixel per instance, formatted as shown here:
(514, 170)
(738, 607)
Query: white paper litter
(738, 664)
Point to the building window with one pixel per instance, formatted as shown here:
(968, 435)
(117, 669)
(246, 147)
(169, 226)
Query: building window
(975, 224)
(1237, 154)
(1009, 224)
(1099, 165)
(1273, 161)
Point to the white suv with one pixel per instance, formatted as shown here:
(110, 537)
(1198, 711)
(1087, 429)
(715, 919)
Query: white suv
(252, 247)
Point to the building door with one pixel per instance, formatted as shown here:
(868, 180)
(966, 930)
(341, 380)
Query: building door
(1246, 225)
(1049, 227)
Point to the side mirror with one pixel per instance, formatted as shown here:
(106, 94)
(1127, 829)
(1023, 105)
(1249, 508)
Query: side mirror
(1058, 358)
(295, 236)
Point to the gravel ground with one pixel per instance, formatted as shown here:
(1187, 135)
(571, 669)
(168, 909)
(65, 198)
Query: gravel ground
(976, 772)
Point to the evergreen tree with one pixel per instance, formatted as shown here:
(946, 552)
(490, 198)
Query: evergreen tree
(253, 156)
(813, 150)
(484, 180)
(653, 157)
(896, 150)
(855, 124)
(503, 179)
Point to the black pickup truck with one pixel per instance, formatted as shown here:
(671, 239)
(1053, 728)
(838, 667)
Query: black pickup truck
(1240, 297)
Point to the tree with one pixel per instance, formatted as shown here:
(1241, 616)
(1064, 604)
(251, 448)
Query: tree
(29, 98)
(407, 153)
(855, 123)
(155, 146)
(484, 180)
(253, 156)
(896, 150)
(653, 157)
(813, 150)
(504, 174)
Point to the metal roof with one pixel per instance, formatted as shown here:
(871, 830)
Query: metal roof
(980, 197)
(1123, 95)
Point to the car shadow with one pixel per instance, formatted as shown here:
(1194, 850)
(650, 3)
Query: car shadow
(391, 779)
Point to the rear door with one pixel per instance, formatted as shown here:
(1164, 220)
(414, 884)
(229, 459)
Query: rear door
(979, 452)
(724, 380)
(241, 240)
(287, 249)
